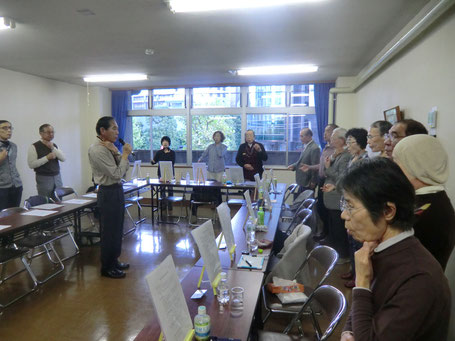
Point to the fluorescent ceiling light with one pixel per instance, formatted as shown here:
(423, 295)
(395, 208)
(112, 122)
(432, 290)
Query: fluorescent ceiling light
(214, 5)
(7, 23)
(115, 78)
(277, 70)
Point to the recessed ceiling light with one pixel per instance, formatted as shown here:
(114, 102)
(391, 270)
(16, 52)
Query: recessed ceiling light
(7, 23)
(149, 52)
(214, 5)
(277, 69)
(115, 78)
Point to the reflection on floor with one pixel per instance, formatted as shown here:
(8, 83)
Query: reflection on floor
(79, 304)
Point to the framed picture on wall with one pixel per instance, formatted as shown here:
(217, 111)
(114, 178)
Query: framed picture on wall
(393, 115)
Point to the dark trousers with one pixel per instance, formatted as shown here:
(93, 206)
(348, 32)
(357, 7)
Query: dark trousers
(338, 236)
(323, 212)
(10, 197)
(111, 205)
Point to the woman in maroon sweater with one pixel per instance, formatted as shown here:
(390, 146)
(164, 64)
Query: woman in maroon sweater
(401, 292)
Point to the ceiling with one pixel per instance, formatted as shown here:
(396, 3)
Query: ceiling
(56, 39)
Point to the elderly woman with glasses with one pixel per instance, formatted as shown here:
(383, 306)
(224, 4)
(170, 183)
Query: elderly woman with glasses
(376, 137)
(356, 142)
(401, 292)
(425, 163)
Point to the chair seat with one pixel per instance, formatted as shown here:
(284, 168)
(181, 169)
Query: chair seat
(128, 205)
(134, 199)
(35, 240)
(7, 254)
(172, 199)
(271, 336)
(236, 202)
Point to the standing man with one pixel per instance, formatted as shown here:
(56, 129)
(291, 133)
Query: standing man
(10, 181)
(43, 157)
(326, 152)
(250, 156)
(399, 131)
(108, 168)
(305, 177)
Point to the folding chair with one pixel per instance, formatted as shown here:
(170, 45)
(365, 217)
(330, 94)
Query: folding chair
(331, 306)
(165, 201)
(312, 273)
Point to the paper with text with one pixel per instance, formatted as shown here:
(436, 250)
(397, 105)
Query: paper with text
(90, 195)
(169, 301)
(47, 206)
(199, 171)
(205, 240)
(39, 213)
(77, 201)
(224, 213)
(248, 204)
(166, 171)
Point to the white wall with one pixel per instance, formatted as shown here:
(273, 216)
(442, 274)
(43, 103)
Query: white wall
(420, 78)
(28, 101)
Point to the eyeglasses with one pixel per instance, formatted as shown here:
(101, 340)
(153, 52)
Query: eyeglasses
(345, 206)
(349, 142)
(6, 128)
(372, 136)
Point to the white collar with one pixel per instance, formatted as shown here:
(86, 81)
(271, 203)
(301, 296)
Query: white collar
(394, 240)
(429, 189)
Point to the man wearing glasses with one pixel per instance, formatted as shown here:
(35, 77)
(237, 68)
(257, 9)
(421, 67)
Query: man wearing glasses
(43, 158)
(10, 180)
(399, 131)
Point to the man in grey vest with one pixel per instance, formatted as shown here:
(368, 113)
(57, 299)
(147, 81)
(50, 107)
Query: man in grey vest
(305, 178)
(43, 158)
(10, 181)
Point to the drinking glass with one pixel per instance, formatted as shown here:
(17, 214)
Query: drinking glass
(237, 301)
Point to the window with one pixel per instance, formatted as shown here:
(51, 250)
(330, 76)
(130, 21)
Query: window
(270, 130)
(168, 98)
(216, 97)
(302, 95)
(175, 128)
(267, 96)
(203, 127)
(140, 101)
(276, 113)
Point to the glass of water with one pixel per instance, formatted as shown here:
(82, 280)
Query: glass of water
(237, 294)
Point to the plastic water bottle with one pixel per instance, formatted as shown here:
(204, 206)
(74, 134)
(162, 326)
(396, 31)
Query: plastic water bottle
(261, 216)
(187, 178)
(202, 324)
(251, 236)
(224, 178)
(222, 290)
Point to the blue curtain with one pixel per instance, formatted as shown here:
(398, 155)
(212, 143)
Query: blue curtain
(321, 106)
(120, 107)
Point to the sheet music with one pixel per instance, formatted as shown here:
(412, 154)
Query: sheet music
(199, 168)
(248, 204)
(267, 199)
(77, 201)
(91, 195)
(48, 206)
(169, 301)
(225, 220)
(39, 213)
(205, 240)
(166, 170)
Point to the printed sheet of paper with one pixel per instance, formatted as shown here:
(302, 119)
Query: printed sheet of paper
(77, 201)
(248, 204)
(205, 240)
(39, 213)
(267, 199)
(199, 171)
(47, 206)
(169, 301)
(224, 213)
(91, 195)
(235, 175)
(4, 227)
(166, 170)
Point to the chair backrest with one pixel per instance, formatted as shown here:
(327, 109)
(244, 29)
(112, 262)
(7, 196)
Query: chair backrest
(36, 200)
(317, 266)
(298, 202)
(61, 192)
(11, 210)
(333, 305)
(450, 274)
(294, 255)
(300, 217)
(290, 190)
(309, 203)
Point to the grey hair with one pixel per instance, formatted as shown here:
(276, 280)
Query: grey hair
(340, 133)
